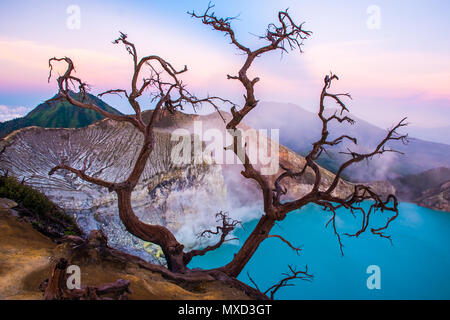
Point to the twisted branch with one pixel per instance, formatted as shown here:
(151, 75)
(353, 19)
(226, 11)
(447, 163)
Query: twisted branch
(292, 274)
(280, 37)
(297, 250)
(228, 225)
(361, 193)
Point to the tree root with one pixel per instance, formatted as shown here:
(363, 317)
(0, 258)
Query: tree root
(54, 288)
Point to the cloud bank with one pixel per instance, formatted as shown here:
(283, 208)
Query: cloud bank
(8, 113)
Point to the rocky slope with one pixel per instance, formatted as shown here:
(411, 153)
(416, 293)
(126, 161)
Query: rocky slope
(26, 258)
(182, 197)
(437, 198)
(429, 189)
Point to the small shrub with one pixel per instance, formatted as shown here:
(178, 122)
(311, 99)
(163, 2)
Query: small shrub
(44, 210)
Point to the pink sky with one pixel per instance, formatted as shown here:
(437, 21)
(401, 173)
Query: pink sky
(385, 73)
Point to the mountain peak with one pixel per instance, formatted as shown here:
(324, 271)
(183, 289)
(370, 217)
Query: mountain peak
(58, 113)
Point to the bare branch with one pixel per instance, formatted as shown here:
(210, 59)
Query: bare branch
(379, 149)
(114, 91)
(228, 225)
(219, 24)
(67, 79)
(128, 46)
(280, 37)
(82, 174)
(292, 274)
(297, 250)
(253, 281)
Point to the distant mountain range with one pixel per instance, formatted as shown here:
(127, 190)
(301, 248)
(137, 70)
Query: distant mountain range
(58, 114)
(439, 134)
(299, 128)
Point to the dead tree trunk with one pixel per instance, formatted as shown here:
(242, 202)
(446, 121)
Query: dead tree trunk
(258, 235)
(57, 281)
(172, 249)
(55, 288)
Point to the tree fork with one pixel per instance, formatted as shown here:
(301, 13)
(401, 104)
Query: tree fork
(243, 256)
(172, 249)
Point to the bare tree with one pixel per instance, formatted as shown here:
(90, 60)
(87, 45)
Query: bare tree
(168, 92)
(283, 37)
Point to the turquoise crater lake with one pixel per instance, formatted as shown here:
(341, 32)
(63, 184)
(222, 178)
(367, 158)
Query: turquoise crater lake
(416, 266)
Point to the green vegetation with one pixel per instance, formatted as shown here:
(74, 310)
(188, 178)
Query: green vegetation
(42, 213)
(70, 232)
(34, 200)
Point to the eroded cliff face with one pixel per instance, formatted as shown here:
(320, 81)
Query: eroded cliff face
(166, 194)
(437, 198)
(183, 198)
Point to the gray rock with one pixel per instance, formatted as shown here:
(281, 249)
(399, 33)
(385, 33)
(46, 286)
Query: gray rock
(7, 203)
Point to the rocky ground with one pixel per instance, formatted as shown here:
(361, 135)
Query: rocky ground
(27, 256)
(437, 198)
